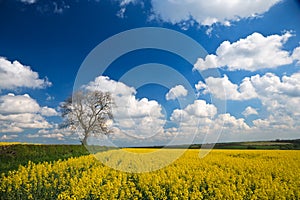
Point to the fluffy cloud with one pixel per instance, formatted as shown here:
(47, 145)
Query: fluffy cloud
(208, 12)
(48, 112)
(249, 111)
(25, 120)
(230, 123)
(199, 109)
(200, 120)
(176, 92)
(104, 84)
(19, 112)
(5, 128)
(201, 86)
(223, 88)
(275, 93)
(141, 119)
(29, 1)
(124, 3)
(252, 53)
(278, 95)
(275, 122)
(296, 55)
(57, 136)
(15, 75)
(11, 104)
(54, 133)
(194, 118)
(138, 118)
(8, 137)
(18, 104)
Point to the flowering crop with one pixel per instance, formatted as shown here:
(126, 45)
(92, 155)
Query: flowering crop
(223, 174)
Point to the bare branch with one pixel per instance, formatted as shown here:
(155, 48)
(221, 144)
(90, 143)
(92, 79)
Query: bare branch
(88, 111)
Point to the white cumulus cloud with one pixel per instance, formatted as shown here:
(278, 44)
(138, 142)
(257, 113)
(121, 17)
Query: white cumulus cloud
(46, 111)
(273, 91)
(6, 128)
(251, 53)
(19, 112)
(279, 96)
(124, 3)
(15, 75)
(8, 137)
(54, 133)
(136, 117)
(29, 1)
(249, 111)
(296, 55)
(196, 117)
(198, 109)
(25, 120)
(201, 120)
(223, 88)
(209, 12)
(176, 92)
(277, 123)
(15, 104)
(230, 123)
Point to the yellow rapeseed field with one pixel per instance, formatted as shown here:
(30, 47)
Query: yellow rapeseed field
(8, 143)
(223, 174)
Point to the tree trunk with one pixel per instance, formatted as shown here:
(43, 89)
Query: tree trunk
(84, 141)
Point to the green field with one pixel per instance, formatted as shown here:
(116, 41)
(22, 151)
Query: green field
(13, 155)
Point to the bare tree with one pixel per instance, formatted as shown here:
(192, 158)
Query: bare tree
(88, 112)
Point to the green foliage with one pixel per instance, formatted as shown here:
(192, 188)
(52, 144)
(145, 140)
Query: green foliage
(11, 156)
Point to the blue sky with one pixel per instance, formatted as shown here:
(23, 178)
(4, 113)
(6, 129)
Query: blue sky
(253, 46)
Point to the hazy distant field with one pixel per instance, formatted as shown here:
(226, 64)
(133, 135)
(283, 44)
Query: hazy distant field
(223, 174)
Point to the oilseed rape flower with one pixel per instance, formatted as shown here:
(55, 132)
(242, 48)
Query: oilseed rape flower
(223, 174)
